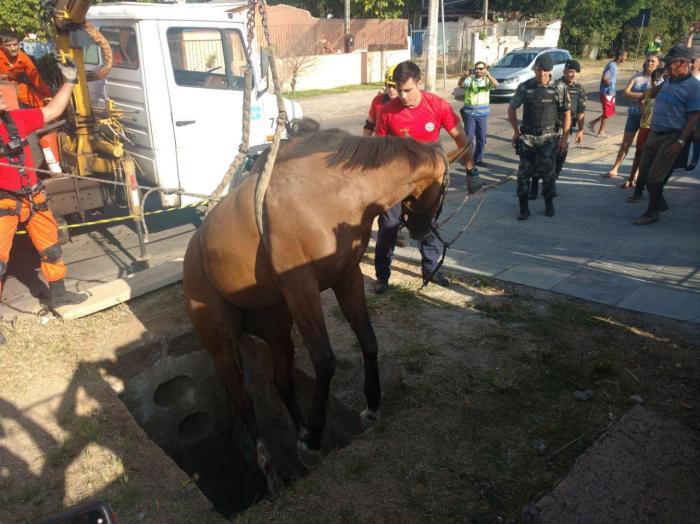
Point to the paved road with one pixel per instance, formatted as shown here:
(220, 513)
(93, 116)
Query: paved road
(591, 226)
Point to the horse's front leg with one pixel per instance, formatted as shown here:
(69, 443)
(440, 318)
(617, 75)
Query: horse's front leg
(303, 298)
(350, 293)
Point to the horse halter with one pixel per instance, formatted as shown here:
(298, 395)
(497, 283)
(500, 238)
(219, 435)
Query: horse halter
(440, 198)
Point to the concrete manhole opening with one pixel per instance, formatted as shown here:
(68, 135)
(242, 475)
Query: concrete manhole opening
(172, 390)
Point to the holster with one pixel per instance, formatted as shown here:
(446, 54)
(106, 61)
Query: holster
(523, 150)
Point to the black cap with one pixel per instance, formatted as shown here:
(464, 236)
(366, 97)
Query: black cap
(679, 51)
(545, 62)
(573, 64)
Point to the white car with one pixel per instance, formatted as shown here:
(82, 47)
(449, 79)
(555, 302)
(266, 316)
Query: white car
(516, 67)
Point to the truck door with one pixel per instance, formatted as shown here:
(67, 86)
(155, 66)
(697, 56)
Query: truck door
(206, 95)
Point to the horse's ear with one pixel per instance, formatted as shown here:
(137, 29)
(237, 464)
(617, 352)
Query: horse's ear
(452, 156)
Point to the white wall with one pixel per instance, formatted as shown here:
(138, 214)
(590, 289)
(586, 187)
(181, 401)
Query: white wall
(493, 47)
(327, 71)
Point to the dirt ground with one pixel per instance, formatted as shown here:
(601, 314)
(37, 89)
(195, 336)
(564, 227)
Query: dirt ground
(478, 416)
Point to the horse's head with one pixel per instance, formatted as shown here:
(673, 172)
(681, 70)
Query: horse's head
(419, 209)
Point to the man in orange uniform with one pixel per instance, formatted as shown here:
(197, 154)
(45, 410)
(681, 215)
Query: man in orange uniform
(22, 196)
(15, 65)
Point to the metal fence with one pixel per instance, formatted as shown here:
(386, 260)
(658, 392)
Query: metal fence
(455, 42)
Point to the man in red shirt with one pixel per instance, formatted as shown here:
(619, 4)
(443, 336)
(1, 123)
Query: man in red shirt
(23, 198)
(379, 101)
(16, 66)
(419, 115)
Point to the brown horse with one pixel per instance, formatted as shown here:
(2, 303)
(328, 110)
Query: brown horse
(325, 191)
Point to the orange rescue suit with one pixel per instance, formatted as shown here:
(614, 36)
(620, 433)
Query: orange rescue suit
(31, 89)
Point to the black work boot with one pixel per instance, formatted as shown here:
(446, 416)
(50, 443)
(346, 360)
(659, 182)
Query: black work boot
(524, 211)
(534, 187)
(548, 207)
(59, 296)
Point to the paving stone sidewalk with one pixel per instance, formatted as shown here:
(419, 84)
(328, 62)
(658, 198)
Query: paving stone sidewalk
(590, 249)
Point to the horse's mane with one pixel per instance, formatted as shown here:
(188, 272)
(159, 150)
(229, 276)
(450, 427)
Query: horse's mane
(358, 151)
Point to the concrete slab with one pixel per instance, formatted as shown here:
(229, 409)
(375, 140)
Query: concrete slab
(645, 469)
(598, 286)
(664, 301)
(536, 275)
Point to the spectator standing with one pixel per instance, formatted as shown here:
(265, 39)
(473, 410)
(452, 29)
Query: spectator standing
(657, 77)
(634, 91)
(545, 102)
(608, 88)
(693, 43)
(675, 115)
(477, 84)
(419, 115)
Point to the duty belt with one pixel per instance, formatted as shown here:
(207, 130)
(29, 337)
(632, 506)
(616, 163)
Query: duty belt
(539, 131)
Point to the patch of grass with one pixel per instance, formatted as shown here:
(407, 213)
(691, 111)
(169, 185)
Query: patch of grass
(356, 466)
(310, 93)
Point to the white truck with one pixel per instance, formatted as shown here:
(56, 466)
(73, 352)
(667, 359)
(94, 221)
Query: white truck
(178, 75)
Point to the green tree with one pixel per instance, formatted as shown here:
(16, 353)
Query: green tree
(21, 15)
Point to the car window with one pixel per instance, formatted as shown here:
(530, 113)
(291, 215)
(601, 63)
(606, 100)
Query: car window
(122, 40)
(519, 60)
(199, 58)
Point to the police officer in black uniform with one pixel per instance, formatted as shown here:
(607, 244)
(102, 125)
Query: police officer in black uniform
(541, 135)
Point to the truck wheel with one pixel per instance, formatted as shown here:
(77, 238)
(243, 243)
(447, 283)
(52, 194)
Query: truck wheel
(63, 231)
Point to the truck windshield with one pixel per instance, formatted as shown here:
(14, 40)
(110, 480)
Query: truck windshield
(516, 60)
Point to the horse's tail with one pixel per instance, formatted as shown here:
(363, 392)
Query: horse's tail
(217, 322)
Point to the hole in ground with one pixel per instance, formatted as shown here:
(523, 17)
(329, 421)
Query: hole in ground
(174, 391)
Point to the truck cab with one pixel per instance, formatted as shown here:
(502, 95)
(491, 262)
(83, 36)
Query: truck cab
(178, 76)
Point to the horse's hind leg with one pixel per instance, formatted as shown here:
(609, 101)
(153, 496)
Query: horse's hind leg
(350, 293)
(274, 327)
(219, 324)
(303, 298)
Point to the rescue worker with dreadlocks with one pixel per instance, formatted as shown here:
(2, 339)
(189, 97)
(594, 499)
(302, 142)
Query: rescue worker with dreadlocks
(23, 198)
(16, 66)
(541, 135)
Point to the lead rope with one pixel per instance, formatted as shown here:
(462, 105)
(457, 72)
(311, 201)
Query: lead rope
(245, 127)
(448, 244)
(264, 178)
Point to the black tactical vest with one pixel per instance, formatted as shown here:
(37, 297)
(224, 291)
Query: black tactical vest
(540, 105)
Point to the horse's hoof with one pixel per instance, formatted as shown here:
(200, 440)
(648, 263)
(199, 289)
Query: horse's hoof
(368, 418)
(266, 465)
(309, 458)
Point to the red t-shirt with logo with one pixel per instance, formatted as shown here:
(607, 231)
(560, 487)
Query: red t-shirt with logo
(421, 123)
(27, 121)
(378, 102)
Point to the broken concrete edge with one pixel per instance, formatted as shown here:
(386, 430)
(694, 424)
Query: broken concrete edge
(110, 294)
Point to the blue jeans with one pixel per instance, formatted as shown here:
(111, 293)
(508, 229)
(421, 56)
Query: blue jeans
(475, 127)
(389, 224)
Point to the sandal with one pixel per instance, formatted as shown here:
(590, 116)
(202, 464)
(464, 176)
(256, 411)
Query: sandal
(609, 174)
(627, 184)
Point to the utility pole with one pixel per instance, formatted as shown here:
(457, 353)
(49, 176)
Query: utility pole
(486, 12)
(347, 17)
(431, 48)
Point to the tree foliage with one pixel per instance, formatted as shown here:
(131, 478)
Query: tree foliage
(21, 15)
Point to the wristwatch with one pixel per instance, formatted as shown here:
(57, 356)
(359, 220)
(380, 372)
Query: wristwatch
(681, 141)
